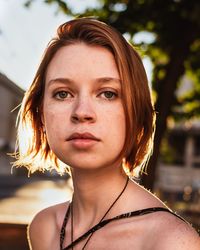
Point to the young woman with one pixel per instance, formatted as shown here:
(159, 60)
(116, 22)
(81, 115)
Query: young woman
(89, 111)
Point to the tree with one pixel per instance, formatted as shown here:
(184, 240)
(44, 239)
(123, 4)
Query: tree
(175, 50)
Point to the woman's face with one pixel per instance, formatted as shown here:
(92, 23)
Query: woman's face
(82, 109)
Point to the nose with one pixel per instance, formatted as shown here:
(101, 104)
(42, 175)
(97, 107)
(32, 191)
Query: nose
(83, 111)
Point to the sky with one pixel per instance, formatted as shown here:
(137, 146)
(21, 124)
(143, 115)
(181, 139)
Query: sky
(25, 32)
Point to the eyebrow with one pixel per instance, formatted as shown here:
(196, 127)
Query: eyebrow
(100, 80)
(107, 80)
(60, 80)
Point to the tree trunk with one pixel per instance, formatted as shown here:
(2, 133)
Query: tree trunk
(174, 70)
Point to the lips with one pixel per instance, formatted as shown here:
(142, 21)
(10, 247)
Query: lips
(83, 136)
(82, 141)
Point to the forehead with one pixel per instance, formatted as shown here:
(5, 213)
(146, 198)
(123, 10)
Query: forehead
(82, 60)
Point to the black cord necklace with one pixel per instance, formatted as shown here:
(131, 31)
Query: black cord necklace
(73, 243)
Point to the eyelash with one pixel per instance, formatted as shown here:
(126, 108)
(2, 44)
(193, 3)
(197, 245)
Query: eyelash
(114, 95)
(56, 95)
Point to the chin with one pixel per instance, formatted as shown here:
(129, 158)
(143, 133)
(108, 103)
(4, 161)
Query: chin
(84, 166)
(88, 162)
(92, 165)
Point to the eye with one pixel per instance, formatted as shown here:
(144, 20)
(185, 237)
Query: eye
(62, 95)
(109, 94)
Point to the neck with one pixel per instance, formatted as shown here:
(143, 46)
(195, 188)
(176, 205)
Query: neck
(94, 191)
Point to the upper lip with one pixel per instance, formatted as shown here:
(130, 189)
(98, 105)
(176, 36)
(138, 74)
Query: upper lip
(82, 136)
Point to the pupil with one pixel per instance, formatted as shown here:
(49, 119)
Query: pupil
(62, 94)
(108, 94)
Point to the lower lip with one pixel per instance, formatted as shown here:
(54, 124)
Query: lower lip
(83, 143)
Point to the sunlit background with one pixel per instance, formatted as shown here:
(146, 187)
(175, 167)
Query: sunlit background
(24, 34)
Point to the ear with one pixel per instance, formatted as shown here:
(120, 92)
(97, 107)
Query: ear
(40, 114)
(42, 120)
(43, 125)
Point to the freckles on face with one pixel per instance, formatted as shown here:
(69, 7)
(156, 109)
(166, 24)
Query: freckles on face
(83, 95)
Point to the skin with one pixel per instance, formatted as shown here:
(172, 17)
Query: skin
(88, 99)
(77, 102)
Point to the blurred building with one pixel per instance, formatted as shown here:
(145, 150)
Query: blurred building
(10, 98)
(183, 167)
(178, 175)
(21, 197)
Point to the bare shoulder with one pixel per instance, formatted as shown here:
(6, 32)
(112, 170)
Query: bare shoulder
(173, 233)
(43, 231)
(158, 230)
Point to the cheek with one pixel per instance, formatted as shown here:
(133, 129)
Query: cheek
(54, 120)
(121, 126)
(121, 121)
(115, 123)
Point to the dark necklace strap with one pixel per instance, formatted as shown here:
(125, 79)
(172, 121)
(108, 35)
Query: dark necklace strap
(72, 223)
(126, 184)
(62, 231)
(122, 216)
(70, 210)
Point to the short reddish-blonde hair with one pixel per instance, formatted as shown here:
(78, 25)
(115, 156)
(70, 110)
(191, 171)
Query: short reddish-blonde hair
(33, 148)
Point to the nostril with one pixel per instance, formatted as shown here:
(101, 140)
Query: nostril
(81, 118)
(88, 118)
(74, 118)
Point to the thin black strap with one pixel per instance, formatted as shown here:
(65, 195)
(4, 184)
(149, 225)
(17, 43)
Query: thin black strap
(122, 216)
(115, 201)
(62, 231)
